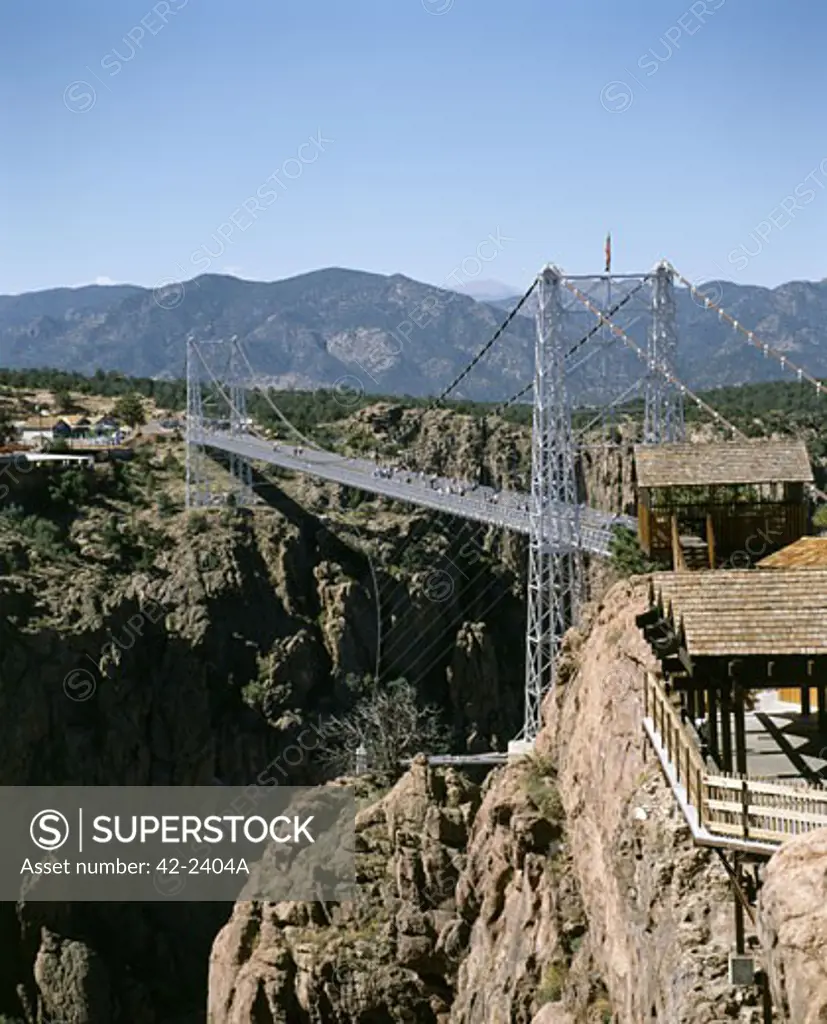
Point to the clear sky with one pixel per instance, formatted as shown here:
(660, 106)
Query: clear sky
(135, 132)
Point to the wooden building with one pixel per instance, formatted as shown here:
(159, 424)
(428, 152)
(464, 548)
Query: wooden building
(722, 633)
(806, 553)
(728, 503)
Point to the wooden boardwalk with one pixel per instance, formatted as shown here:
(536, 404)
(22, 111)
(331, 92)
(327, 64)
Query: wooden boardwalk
(735, 812)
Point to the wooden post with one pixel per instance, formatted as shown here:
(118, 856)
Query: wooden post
(805, 701)
(726, 726)
(678, 562)
(822, 711)
(740, 723)
(710, 540)
(712, 709)
(700, 784)
(740, 937)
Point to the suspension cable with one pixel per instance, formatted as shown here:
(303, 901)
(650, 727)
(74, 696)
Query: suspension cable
(767, 349)
(265, 393)
(497, 334)
(620, 398)
(684, 390)
(586, 337)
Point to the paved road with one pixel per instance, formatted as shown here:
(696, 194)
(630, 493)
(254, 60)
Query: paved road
(509, 509)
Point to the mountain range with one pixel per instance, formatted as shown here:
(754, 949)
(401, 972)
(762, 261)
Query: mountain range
(390, 334)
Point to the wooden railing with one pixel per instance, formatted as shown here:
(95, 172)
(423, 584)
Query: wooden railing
(731, 806)
(681, 748)
(767, 811)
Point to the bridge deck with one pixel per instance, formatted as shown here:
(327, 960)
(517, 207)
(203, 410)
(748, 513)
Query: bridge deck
(509, 509)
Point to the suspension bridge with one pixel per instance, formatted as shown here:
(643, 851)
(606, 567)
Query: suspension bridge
(560, 527)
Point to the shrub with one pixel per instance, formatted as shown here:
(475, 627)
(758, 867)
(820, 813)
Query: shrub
(553, 983)
(627, 557)
(197, 523)
(389, 724)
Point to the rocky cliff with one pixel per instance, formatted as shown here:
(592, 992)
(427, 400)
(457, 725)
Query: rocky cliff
(792, 921)
(186, 650)
(566, 890)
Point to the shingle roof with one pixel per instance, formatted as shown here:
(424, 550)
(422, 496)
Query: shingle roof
(806, 553)
(43, 422)
(727, 462)
(731, 612)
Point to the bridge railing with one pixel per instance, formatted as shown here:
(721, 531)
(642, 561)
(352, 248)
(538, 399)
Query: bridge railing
(731, 806)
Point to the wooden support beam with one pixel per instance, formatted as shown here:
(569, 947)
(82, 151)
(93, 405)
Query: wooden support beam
(710, 539)
(726, 728)
(740, 732)
(805, 701)
(678, 562)
(822, 711)
(712, 717)
(740, 931)
(647, 618)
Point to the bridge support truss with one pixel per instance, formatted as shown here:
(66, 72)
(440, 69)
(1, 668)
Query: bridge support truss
(663, 419)
(230, 395)
(240, 468)
(556, 575)
(198, 485)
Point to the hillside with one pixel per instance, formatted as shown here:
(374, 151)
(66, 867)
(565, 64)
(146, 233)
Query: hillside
(381, 335)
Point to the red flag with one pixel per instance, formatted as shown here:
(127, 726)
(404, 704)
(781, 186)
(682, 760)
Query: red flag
(609, 252)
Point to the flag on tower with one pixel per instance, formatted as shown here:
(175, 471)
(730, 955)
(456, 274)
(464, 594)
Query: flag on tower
(609, 252)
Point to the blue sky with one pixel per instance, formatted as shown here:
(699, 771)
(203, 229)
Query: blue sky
(455, 140)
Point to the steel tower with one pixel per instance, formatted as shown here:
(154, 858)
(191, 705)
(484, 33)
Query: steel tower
(663, 416)
(555, 574)
(239, 467)
(198, 488)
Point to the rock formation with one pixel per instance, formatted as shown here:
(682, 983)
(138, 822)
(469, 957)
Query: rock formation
(792, 920)
(566, 891)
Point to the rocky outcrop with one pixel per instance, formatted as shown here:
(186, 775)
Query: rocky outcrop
(659, 909)
(465, 899)
(199, 667)
(572, 893)
(792, 919)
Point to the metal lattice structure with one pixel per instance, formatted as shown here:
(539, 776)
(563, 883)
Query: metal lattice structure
(663, 414)
(239, 466)
(198, 487)
(230, 394)
(555, 574)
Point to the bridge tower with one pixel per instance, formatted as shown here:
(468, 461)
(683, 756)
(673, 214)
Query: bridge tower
(239, 466)
(663, 414)
(231, 395)
(556, 574)
(198, 486)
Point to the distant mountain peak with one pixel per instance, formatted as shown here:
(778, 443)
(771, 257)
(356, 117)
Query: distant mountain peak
(486, 290)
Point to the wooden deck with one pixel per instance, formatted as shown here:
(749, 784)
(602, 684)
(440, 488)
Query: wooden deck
(730, 811)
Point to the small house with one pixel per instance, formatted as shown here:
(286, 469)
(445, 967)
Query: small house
(723, 504)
